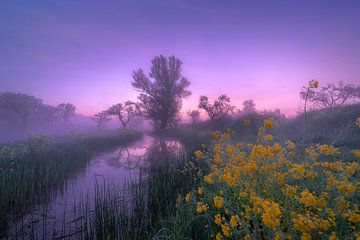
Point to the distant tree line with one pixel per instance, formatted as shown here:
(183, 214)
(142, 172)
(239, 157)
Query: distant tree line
(19, 109)
(161, 92)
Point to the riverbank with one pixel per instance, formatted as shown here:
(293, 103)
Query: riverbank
(31, 171)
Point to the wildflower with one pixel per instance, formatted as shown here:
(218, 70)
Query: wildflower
(188, 197)
(200, 190)
(246, 122)
(346, 187)
(217, 219)
(215, 135)
(305, 236)
(218, 201)
(218, 236)
(333, 236)
(358, 122)
(268, 123)
(356, 153)
(225, 230)
(217, 158)
(308, 199)
(303, 223)
(199, 154)
(234, 221)
(354, 217)
(328, 150)
(243, 194)
(313, 84)
(290, 145)
(271, 216)
(268, 138)
(311, 151)
(208, 178)
(201, 207)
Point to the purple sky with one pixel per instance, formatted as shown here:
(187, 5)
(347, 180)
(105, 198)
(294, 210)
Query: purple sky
(84, 51)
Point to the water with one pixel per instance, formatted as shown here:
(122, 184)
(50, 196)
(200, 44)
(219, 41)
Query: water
(65, 211)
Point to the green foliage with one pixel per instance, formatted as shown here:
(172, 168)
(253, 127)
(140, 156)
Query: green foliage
(29, 172)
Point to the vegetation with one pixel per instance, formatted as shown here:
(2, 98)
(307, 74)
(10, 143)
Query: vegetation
(124, 111)
(269, 190)
(65, 111)
(31, 171)
(220, 109)
(18, 107)
(161, 98)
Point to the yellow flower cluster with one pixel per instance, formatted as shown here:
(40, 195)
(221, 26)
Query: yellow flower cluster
(269, 123)
(199, 154)
(358, 122)
(246, 122)
(261, 189)
(313, 84)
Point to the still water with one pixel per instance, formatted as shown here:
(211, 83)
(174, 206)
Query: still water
(59, 216)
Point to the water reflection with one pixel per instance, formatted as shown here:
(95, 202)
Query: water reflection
(61, 215)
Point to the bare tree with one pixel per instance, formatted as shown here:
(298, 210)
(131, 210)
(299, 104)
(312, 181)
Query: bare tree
(249, 106)
(331, 95)
(219, 109)
(124, 111)
(161, 97)
(101, 118)
(19, 107)
(65, 111)
(194, 115)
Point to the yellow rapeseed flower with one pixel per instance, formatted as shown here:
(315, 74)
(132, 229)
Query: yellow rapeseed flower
(188, 197)
(356, 153)
(308, 199)
(218, 201)
(217, 219)
(268, 138)
(234, 221)
(268, 123)
(199, 154)
(226, 230)
(201, 207)
(246, 122)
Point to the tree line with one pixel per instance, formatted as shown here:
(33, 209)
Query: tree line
(161, 93)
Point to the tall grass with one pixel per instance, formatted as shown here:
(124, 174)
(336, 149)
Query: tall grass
(29, 172)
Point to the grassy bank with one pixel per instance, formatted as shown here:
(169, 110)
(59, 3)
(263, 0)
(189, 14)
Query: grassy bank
(270, 190)
(30, 171)
(261, 190)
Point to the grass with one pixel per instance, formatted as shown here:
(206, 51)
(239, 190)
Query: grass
(156, 205)
(31, 171)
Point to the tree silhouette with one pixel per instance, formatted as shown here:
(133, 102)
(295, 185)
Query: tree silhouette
(331, 95)
(194, 116)
(249, 106)
(124, 111)
(65, 111)
(19, 107)
(101, 118)
(161, 92)
(219, 109)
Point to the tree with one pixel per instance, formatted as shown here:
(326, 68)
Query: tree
(124, 111)
(65, 111)
(19, 107)
(101, 118)
(331, 95)
(161, 92)
(194, 115)
(219, 109)
(249, 106)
